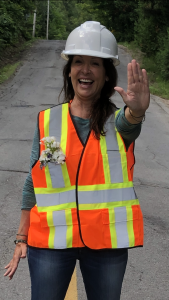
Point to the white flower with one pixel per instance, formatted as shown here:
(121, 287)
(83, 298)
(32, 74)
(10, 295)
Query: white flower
(53, 152)
(48, 139)
(48, 150)
(61, 159)
(53, 139)
(43, 156)
(57, 145)
(55, 155)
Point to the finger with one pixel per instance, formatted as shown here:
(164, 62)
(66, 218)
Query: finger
(145, 77)
(11, 274)
(130, 74)
(7, 272)
(140, 73)
(120, 91)
(11, 270)
(135, 70)
(6, 267)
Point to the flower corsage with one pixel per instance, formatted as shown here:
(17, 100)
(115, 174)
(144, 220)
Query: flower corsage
(53, 152)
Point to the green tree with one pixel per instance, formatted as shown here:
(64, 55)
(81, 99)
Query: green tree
(14, 21)
(118, 16)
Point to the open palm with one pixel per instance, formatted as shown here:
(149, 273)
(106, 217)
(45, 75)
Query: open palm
(137, 97)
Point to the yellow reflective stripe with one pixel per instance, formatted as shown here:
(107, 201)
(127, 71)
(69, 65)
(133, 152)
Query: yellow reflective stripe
(106, 167)
(100, 187)
(130, 226)
(57, 207)
(110, 186)
(65, 175)
(108, 204)
(53, 190)
(112, 228)
(46, 133)
(83, 188)
(116, 112)
(123, 157)
(122, 153)
(88, 206)
(46, 122)
(51, 229)
(65, 110)
(48, 178)
(69, 233)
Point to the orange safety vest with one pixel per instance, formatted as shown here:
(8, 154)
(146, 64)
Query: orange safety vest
(89, 200)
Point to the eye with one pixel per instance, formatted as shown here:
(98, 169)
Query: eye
(77, 61)
(95, 63)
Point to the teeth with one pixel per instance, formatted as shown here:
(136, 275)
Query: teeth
(86, 80)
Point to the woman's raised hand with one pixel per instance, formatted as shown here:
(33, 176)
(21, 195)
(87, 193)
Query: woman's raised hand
(137, 97)
(20, 252)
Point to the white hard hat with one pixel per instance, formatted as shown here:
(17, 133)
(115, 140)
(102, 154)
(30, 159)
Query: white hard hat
(92, 39)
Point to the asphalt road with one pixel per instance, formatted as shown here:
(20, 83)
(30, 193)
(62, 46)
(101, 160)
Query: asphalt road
(36, 86)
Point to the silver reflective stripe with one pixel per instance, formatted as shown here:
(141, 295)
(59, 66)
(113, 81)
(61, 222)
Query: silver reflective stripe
(114, 156)
(59, 221)
(55, 122)
(121, 227)
(111, 139)
(55, 130)
(104, 196)
(56, 175)
(86, 197)
(55, 199)
(115, 166)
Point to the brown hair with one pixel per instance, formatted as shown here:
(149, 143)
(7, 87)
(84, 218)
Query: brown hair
(103, 107)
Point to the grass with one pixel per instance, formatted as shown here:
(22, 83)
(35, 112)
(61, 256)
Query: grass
(158, 86)
(7, 71)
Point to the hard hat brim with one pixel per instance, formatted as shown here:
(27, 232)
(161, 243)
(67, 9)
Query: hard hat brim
(65, 54)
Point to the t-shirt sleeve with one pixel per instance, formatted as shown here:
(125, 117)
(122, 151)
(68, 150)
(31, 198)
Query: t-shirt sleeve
(128, 131)
(28, 195)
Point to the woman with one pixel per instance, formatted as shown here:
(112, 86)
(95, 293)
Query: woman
(85, 207)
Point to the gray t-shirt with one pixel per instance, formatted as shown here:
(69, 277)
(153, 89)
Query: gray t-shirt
(128, 131)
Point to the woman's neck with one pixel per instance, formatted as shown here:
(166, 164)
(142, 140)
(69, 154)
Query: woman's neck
(80, 108)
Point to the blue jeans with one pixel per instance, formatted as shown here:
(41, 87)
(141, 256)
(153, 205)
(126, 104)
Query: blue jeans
(51, 271)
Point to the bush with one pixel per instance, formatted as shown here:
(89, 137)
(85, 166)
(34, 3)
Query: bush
(146, 29)
(163, 56)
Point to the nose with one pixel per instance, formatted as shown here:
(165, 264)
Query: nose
(86, 68)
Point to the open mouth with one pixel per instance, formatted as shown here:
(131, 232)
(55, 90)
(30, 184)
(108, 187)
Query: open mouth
(85, 81)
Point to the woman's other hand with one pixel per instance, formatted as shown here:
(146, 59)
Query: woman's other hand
(20, 252)
(21, 248)
(137, 97)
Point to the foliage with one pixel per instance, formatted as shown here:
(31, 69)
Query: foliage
(152, 33)
(158, 86)
(145, 22)
(7, 71)
(118, 16)
(162, 56)
(14, 21)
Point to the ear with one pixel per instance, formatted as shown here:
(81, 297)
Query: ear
(69, 74)
(107, 78)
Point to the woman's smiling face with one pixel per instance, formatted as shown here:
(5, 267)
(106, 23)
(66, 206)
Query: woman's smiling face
(88, 76)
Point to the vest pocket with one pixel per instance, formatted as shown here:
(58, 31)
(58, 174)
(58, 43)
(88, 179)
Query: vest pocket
(56, 176)
(125, 226)
(60, 228)
(56, 218)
